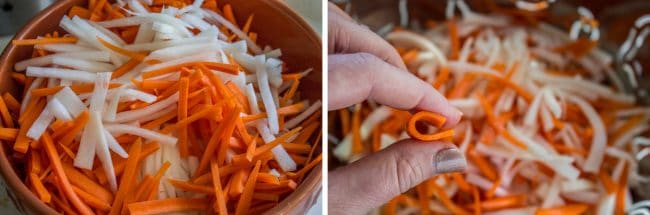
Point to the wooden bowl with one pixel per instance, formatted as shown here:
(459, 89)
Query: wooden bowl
(276, 24)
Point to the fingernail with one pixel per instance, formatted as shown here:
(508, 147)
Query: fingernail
(449, 160)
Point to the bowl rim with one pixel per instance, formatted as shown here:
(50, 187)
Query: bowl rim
(22, 197)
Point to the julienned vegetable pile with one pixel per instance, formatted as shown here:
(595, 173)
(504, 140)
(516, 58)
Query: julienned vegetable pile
(545, 128)
(147, 107)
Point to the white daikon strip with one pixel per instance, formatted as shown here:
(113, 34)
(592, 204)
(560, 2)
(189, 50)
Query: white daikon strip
(279, 153)
(131, 115)
(69, 74)
(265, 92)
(627, 137)
(606, 205)
(415, 40)
(40, 124)
(578, 85)
(195, 21)
(83, 65)
(139, 95)
(137, 7)
(92, 136)
(553, 194)
(484, 184)
(58, 110)
(156, 115)
(199, 57)
(101, 56)
(466, 139)
(141, 132)
(576, 185)
(293, 122)
(175, 52)
(550, 56)
(71, 101)
(587, 197)
(466, 67)
(63, 47)
(91, 33)
(552, 104)
(530, 119)
(633, 111)
(513, 211)
(114, 145)
(111, 108)
(221, 20)
(599, 141)
(547, 120)
(103, 153)
(108, 33)
(145, 35)
(343, 150)
(150, 46)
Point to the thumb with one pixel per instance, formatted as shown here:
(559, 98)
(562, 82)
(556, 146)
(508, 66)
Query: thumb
(377, 178)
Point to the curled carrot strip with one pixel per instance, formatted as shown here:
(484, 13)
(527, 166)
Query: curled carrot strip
(432, 118)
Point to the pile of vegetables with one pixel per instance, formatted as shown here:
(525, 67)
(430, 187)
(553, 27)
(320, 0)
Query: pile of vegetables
(148, 107)
(545, 127)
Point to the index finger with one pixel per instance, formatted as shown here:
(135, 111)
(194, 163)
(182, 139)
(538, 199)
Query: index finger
(353, 78)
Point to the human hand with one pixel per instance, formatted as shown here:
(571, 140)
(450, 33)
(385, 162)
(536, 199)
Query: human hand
(364, 66)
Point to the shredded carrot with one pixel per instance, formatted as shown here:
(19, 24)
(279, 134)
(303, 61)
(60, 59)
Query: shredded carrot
(454, 39)
(228, 68)
(42, 192)
(433, 118)
(133, 55)
(220, 203)
(62, 177)
(8, 134)
(30, 42)
(356, 130)
(79, 11)
(572, 209)
(11, 102)
(167, 206)
(128, 177)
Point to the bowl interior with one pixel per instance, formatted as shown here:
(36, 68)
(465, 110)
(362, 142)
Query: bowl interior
(277, 26)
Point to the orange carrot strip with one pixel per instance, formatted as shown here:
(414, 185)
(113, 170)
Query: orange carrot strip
(249, 21)
(283, 111)
(490, 193)
(81, 88)
(79, 11)
(182, 114)
(41, 191)
(477, 201)
(22, 141)
(357, 144)
(503, 202)
(621, 192)
(91, 200)
(247, 195)
(570, 209)
(454, 39)
(6, 116)
(227, 68)
(462, 184)
(183, 185)
(156, 180)
(60, 174)
(79, 124)
(442, 196)
(133, 55)
(128, 177)
(607, 181)
(124, 68)
(268, 146)
(266, 196)
(220, 201)
(29, 42)
(423, 199)
(483, 165)
(88, 185)
(167, 206)
(443, 76)
(228, 14)
(221, 135)
(11, 102)
(308, 167)
(8, 134)
(429, 117)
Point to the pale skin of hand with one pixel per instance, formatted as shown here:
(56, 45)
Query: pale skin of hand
(364, 66)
